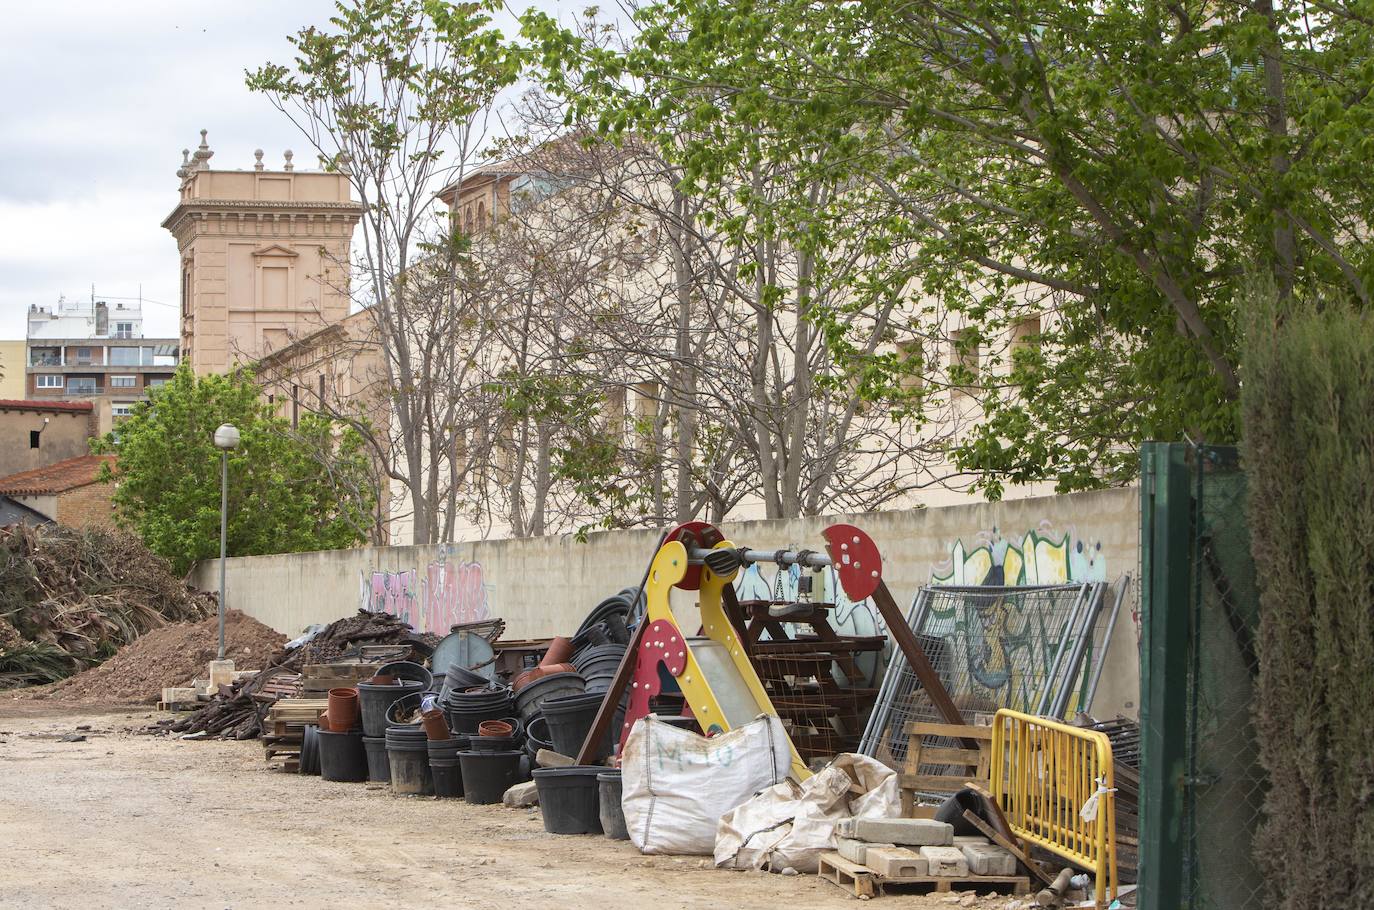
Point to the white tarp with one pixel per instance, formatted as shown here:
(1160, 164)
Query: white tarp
(791, 824)
(677, 785)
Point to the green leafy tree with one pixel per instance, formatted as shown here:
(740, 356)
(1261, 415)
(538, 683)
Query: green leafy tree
(309, 487)
(1115, 165)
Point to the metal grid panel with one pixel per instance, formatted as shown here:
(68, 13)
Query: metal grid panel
(993, 647)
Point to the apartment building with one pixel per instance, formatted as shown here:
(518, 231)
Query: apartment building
(94, 350)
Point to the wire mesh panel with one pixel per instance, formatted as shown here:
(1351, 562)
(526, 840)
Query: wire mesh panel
(1224, 795)
(992, 647)
(1202, 789)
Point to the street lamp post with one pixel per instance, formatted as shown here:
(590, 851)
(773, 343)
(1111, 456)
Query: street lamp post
(226, 438)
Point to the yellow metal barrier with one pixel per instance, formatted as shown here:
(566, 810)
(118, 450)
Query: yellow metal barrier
(1043, 774)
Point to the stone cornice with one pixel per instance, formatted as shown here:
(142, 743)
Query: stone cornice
(193, 207)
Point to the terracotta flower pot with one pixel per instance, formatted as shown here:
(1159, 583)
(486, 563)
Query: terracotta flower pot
(343, 709)
(436, 727)
(539, 672)
(322, 721)
(494, 728)
(560, 650)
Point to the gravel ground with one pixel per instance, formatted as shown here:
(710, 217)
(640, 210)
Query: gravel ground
(122, 820)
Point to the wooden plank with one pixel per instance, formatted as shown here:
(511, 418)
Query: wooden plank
(933, 783)
(849, 877)
(953, 731)
(916, 657)
(938, 755)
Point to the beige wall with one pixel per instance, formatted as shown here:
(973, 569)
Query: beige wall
(545, 586)
(12, 377)
(66, 435)
(263, 258)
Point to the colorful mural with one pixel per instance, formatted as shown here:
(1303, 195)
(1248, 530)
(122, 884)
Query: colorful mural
(1040, 556)
(447, 593)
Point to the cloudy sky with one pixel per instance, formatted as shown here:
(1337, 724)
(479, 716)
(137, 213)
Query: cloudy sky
(100, 99)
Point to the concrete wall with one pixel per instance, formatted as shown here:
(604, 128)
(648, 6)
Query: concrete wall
(545, 586)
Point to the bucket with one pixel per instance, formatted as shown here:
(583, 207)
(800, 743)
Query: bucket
(493, 743)
(400, 710)
(342, 756)
(612, 812)
(436, 727)
(374, 699)
(488, 775)
(570, 799)
(378, 769)
(537, 737)
(530, 699)
(408, 758)
(570, 718)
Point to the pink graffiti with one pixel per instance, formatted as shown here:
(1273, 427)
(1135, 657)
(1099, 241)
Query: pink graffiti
(454, 592)
(447, 594)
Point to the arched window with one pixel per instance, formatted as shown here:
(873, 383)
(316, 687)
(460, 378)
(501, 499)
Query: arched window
(481, 215)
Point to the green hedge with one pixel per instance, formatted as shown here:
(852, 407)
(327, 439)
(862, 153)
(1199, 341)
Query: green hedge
(1308, 402)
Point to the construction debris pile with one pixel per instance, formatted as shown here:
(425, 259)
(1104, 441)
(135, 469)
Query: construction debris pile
(174, 655)
(71, 598)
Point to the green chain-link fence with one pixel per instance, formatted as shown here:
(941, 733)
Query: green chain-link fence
(1202, 789)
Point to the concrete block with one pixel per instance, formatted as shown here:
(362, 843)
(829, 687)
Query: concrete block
(855, 850)
(896, 862)
(522, 795)
(221, 674)
(946, 862)
(911, 832)
(989, 859)
(962, 839)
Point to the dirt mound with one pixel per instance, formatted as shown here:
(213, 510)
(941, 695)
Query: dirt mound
(170, 656)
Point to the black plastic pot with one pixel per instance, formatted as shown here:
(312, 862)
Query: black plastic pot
(402, 708)
(378, 769)
(408, 759)
(529, 699)
(374, 700)
(611, 812)
(448, 777)
(951, 812)
(570, 719)
(583, 659)
(447, 749)
(570, 799)
(404, 669)
(461, 678)
(342, 756)
(467, 710)
(537, 737)
(488, 775)
(309, 761)
(493, 743)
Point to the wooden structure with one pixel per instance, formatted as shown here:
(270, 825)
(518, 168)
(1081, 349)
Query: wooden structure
(940, 769)
(862, 882)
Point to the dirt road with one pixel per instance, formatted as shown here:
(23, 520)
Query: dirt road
(130, 821)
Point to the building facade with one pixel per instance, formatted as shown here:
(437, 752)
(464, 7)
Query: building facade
(35, 434)
(264, 257)
(13, 378)
(69, 492)
(93, 349)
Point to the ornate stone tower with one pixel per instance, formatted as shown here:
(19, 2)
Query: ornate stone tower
(263, 257)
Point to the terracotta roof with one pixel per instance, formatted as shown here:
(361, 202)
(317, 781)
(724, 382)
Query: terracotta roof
(56, 478)
(17, 404)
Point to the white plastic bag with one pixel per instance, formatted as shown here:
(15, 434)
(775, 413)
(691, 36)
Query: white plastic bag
(677, 785)
(791, 824)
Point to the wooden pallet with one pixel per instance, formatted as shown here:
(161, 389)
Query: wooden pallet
(864, 883)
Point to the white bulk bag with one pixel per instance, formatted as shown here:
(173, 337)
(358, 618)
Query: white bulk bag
(677, 785)
(791, 824)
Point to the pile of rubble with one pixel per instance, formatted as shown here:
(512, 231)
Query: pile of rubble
(70, 598)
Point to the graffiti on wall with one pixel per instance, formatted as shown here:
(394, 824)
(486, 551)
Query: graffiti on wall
(1008, 645)
(1041, 556)
(447, 592)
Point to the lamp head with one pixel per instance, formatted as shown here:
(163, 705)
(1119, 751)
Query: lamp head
(227, 437)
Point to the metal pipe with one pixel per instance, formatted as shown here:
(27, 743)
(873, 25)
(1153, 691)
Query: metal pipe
(813, 559)
(1106, 642)
(1075, 612)
(1061, 698)
(223, 528)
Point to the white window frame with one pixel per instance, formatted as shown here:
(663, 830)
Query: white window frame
(50, 381)
(124, 330)
(119, 382)
(122, 409)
